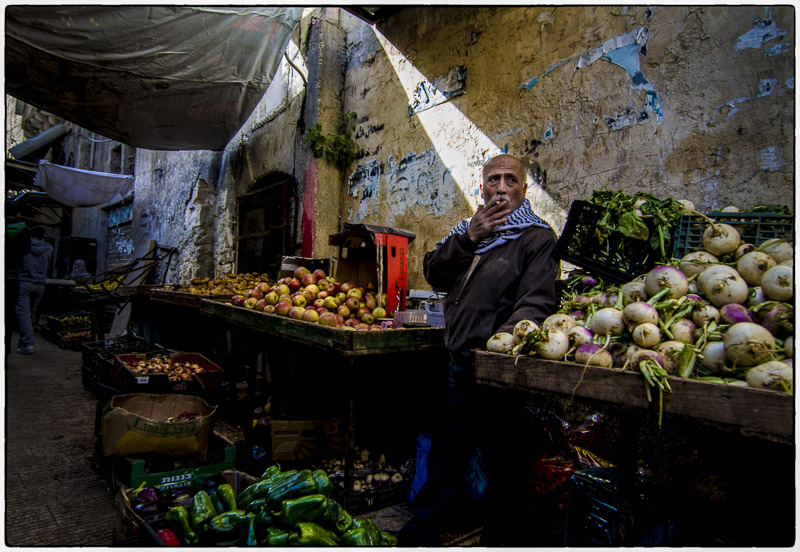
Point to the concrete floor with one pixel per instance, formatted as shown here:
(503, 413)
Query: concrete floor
(54, 497)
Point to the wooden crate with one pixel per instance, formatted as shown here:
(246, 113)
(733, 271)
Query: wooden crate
(347, 342)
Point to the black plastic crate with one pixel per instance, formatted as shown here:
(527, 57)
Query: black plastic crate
(98, 357)
(618, 260)
(755, 228)
(74, 338)
(370, 500)
(69, 321)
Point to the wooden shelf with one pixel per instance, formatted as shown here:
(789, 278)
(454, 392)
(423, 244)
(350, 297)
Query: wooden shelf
(766, 414)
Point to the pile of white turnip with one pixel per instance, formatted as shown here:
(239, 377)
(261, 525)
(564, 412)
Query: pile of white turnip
(724, 314)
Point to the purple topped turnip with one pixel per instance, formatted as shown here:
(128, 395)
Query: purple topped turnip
(637, 313)
(773, 375)
(779, 249)
(733, 313)
(632, 292)
(646, 335)
(558, 322)
(593, 355)
(713, 357)
(607, 321)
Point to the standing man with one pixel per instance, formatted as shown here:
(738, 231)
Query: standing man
(32, 278)
(497, 269)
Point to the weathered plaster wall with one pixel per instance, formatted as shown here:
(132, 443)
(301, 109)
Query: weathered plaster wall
(694, 102)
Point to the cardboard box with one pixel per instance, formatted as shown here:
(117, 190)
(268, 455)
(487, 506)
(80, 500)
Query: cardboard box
(296, 440)
(290, 264)
(375, 253)
(137, 424)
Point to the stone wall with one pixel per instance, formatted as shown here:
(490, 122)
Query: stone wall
(682, 102)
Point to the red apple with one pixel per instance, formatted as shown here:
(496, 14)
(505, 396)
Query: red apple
(370, 303)
(250, 303)
(237, 300)
(322, 309)
(343, 311)
(313, 288)
(319, 273)
(310, 315)
(282, 308)
(322, 294)
(299, 301)
(368, 318)
(351, 322)
(335, 288)
(351, 303)
(263, 287)
(294, 285)
(361, 311)
(318, 303)
(300, 271)
(358, 293)
(260, 304)
(270, 309)
(346, 286)
(296, 312)
(308, 279)
(285, 297)
(339, 319)
(328, 319)
(323, 284)
(257, 293)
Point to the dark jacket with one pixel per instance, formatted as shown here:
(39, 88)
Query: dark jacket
(36, 263)
(512, 282)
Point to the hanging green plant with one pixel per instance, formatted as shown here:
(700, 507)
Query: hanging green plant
(339, 149)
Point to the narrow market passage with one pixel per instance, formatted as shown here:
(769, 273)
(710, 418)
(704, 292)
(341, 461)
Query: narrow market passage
(53, 496)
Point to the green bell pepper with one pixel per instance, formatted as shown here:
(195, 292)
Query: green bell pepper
(224, 498)
(337, 517)
(304, 508)
(387, 539)
(226, 527)
(324, 483)
(202, 511)
(249, 537)
(363, 532)
(307, 533)
(260, 488)
(178, 520)
(256, 506)
(271, 471)
(276, 536)
(299, 484)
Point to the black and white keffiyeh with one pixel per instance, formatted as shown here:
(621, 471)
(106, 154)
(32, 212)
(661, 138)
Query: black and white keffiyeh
(518, 221)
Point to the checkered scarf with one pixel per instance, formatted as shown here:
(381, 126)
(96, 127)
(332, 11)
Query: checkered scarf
(518, 221)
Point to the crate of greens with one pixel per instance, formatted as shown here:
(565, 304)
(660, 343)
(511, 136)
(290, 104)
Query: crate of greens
(616, 236)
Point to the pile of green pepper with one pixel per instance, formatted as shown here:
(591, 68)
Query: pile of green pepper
(284, 508)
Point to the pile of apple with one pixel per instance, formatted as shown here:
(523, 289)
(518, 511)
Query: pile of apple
(317, 298)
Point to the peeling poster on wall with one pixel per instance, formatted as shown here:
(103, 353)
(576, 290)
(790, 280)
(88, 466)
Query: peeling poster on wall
(427, 95)
(419, 180)
(365, 184)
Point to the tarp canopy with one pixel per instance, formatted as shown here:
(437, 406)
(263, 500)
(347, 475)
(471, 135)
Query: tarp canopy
(81, 188)
(154, 77)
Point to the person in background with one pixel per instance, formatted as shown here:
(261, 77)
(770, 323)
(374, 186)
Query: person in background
(32, 278)
(17, 245)
(497, 269)
(79, 274)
